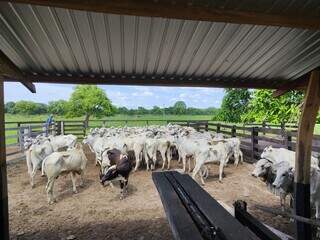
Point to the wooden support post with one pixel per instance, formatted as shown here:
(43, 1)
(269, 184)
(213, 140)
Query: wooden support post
(254, 142)
(303, 153)
(4, 215)
(218, 127)
(207, 127)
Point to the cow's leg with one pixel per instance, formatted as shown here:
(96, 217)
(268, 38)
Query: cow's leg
(81, 179)
(146, 158)
(33, 174)
(196, 171)
(184, 159)
(154, 160)
(163, 156)
(221, 166)
(49, 189)
(121, 186)
(169, 158)
(137, 156)
(227, 159)
(236, 158)
(126, 187)
(189, 163)
(73, 179)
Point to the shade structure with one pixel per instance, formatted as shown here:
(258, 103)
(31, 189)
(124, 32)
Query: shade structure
(66, 45)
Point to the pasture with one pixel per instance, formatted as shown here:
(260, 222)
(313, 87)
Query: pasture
(97, 213)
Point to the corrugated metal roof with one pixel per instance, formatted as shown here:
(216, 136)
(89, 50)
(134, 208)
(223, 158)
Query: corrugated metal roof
(46, 40)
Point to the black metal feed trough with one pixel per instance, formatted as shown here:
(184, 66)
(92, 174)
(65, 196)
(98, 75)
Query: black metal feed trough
(193, 214)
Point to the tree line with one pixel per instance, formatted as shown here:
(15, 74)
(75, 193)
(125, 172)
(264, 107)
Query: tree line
(92, 101)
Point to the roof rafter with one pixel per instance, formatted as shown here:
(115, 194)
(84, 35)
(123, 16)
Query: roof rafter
(156, 81)
(8, 70)
(181, 9)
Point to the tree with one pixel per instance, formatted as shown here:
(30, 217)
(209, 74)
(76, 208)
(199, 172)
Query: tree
(89, 100)
(179, 107)
(58, 107)
(29, 107)
(234, 104)
(9, 107)
(264, 107)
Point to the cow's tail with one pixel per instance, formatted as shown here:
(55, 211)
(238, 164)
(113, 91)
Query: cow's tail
(29, 163)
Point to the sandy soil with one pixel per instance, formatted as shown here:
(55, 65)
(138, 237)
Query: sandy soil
(97, 213)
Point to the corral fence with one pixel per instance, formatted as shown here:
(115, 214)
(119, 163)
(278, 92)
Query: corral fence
(254, 137)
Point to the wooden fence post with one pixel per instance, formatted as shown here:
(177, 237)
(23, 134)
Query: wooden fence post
(233, 131)
(218, 127)
(85, 129)
(18, 132)
(207, 127)
(264, 125)
(254, 142)
(289, 141)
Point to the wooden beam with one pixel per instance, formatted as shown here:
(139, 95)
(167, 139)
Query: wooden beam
(303, 153)
(181, 9)
(8, 70)
(151, 80)
(30, 86)
(4, 215)
(298, 84)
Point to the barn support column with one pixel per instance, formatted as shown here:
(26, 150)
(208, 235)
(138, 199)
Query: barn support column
(4, 215)
(303, 153)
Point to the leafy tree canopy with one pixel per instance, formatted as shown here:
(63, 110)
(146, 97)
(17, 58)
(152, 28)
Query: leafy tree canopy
(264, 107)
(234, 104)
(89, 100)
(9, 107)
(180, 107)
(59, 107)
(29, 107)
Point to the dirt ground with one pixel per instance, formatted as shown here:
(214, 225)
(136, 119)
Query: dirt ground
(97, 213)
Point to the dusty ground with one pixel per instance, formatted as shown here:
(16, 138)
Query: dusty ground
(97, 213)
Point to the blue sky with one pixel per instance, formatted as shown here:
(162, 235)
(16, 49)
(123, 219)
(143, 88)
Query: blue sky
(128, 96)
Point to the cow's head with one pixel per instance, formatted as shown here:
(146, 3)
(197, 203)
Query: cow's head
(282, 174)
(267, 152)
(261, 168)
(110, 174)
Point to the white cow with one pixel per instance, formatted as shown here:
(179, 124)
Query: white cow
(62, 141)
(285, 181)
(135, 144)
(233, 148)
(34, 157)
(152, 146)
(72, 161)
(96, 145)
(282, 154)
(210, 154)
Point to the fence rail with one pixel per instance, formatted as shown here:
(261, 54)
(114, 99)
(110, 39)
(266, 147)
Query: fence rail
(254, 137)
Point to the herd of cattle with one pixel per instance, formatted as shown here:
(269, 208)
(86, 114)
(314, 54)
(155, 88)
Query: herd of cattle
(118, 151)
(276, 168)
